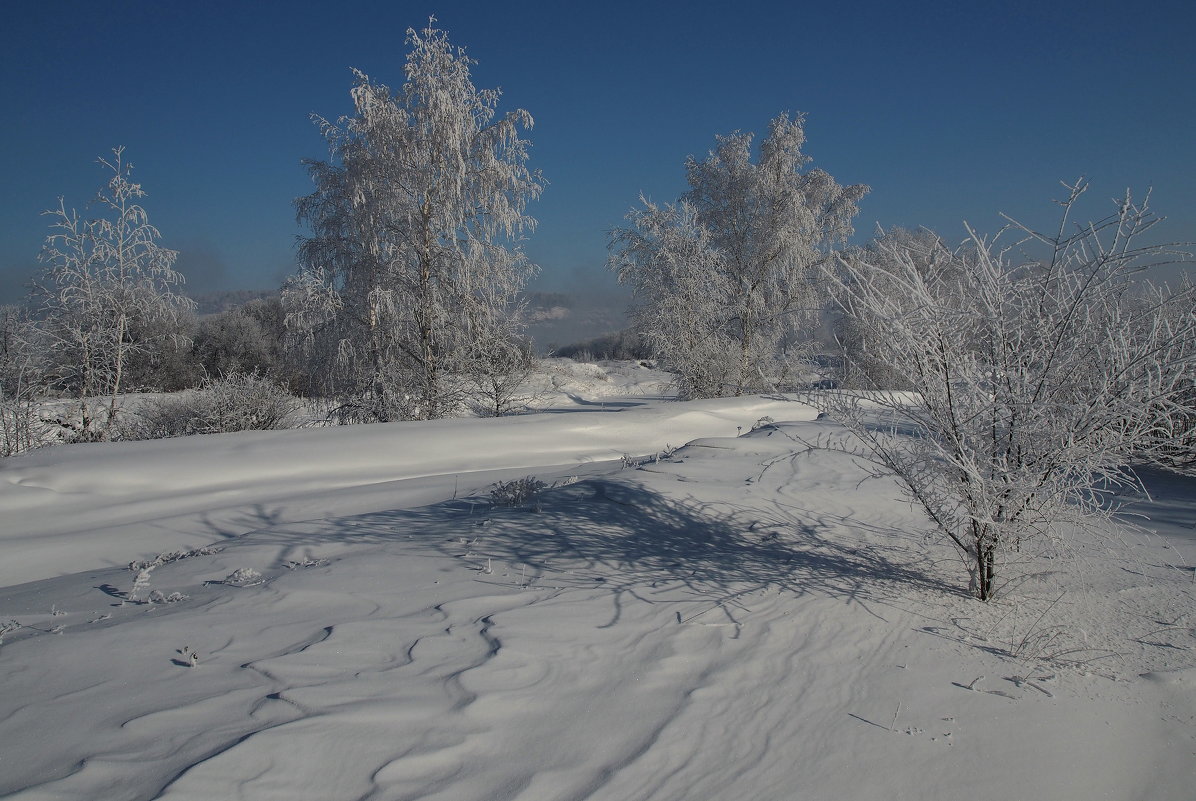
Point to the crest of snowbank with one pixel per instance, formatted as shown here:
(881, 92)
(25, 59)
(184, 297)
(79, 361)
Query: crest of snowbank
(163, 494)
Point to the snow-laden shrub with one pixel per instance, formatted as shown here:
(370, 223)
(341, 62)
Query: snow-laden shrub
(7, 627)
(173, 556)
(21, 428)
(1043, 371)
(590, 371)
(238, 402)
(566, 375)
(21, 372)
(520, 492)
(244, 577)
(499, 373)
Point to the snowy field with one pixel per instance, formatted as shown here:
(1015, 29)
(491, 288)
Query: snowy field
(341, 613)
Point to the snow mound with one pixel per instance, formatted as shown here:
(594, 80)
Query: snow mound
(729, 621)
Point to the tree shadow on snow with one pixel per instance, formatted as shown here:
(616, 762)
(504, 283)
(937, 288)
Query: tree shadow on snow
(625, 537)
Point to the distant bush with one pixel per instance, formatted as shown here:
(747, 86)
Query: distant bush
(245, 339)
(563, 371)
(224, 300)
(237, 402)
(498, 373)
(622, 345)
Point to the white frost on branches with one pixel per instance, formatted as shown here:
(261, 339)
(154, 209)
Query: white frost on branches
(413, 259)
(108, 292)
(1037, 379)
(22, 364)
(725, 280)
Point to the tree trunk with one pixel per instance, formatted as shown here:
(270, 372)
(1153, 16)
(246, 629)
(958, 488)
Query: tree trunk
(985, 573)
(381, 405)
(118, 369)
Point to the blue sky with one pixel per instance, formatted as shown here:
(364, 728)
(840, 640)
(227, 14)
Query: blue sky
(950, 111)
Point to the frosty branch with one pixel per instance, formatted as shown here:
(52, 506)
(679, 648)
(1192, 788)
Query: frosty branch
(1036, 382)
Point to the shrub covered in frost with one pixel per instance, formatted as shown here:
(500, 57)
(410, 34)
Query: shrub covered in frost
(520, 492)
(244, 577)
(237, 402)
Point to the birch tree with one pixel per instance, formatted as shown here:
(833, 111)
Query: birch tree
(737, 257)
(107, 293)
(1037, 379)
(22, 367)
(679, 277)
(415, 222)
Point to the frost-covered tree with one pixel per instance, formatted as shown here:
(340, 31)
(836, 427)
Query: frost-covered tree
(415, 221)
(166, 362)
(1179, 449)
(925, 250)
(107, 293)
(725, 280)
(680, 284)
(22, 367)
(499, 372)
(1040, 371)
(244, 339)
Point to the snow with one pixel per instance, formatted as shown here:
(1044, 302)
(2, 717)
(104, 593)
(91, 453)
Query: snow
(728, 621)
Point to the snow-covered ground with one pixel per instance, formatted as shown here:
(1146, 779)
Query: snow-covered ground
(728, 621)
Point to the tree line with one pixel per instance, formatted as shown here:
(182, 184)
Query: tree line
(406, 305)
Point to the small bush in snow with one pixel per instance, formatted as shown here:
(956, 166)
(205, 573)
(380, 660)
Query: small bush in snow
(173, 556)
(141, 584)
(237, 402)
(499, 372)
(244, 577)
(7, 627)
(302, 563)
(629, 462)
(520, 492)
(21, 429)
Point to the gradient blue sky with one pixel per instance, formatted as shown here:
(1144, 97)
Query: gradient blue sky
(950, 111)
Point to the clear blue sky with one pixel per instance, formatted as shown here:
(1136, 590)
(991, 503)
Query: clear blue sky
(950, 111)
